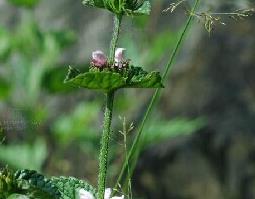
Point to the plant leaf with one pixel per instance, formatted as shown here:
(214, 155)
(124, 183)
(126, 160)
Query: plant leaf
(151, 80)
(97, 80)
(144, 9)
(69, 186)
(94, 3)
(138, 78)
(129, 8)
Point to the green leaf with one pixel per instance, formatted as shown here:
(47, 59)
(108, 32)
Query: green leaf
(96, 80)
(134, 77)
(144, 9)
(160, 130)
(25, 3)
(94, 3)
(138, 78)
(69, 187)
(131, 7)
(151, 80)
(24, 155)
(35, 185)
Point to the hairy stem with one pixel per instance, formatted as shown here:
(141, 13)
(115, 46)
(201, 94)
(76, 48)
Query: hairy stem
(135, 148)
(115, 36)
(103, 156)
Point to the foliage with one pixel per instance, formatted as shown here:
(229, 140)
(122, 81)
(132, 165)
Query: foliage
(120, 7)
(134, 77)
(24, 155)
(30, 184)
(159, 131)
(77, 126)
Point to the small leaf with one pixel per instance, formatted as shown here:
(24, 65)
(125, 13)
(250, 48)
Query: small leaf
(144, 9)
(72, 72)
(151, 80)
(97, 80)
(138, 78)
(94, 3)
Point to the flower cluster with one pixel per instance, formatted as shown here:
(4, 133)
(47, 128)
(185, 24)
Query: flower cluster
(83, 194)
(99, 60)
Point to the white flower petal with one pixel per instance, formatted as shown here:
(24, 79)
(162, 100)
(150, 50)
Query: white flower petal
(85, 194)
(116, 197)
(120, 54)
(107, 193)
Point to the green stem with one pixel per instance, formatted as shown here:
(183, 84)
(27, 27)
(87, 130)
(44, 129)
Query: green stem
(115, 36)
(103, 156)
(135, 148)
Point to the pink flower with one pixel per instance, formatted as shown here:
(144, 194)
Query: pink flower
(98, 58)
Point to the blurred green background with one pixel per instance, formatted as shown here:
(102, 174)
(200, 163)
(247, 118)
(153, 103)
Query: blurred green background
(200, 140)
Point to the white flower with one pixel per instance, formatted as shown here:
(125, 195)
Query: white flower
(119, 56)
(108, 192)
(98, 58)
(85, 194)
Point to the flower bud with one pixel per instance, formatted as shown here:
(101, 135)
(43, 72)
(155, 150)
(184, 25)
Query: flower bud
(120, 60)
(119, 55)
(98, 58)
